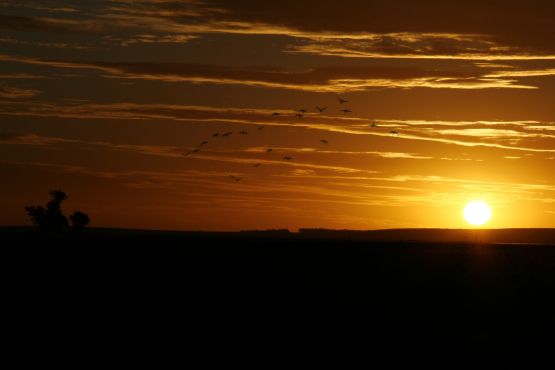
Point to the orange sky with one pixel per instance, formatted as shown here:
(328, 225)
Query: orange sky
(103, 98)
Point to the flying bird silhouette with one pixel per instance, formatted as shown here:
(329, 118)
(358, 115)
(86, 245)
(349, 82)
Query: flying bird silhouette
(216, 134)
(373, 124)
(204, 143)
(235, 178)
(275, 114)
(299, 115)
(302, 110)
(243, 132)
(324, 141)
(342, 101)
(260, 128)
(269, 150)
(346, 111)
(257, 164)
(227, 134)
(287, 158)
(395, 133)
(321, 110)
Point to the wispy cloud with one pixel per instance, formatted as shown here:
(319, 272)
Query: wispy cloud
(412, 46)
(514, 137)
(523, 73)
(57, 45)
(337, 80)
(11, 92)
(391, 155)
(20, 76)
(150, 39)
(466, 32)
(49, 24)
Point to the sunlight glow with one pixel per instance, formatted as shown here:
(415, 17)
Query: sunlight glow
(477, 213)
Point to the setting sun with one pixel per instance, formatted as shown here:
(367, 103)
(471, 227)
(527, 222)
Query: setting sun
(477, 213)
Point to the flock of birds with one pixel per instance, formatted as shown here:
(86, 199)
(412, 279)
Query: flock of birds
(300, 113)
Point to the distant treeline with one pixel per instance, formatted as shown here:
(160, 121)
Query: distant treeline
(540, 236)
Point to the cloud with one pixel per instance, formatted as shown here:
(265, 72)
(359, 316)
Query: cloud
(150, 39)
(19, 138)
(411, 46)
(486, 133)
(507, 25)
(20, 76)
(515, 136)
(523, 73)
(387, 29)
(397, 28)
(48, 24)
(168, 152)
(392, 155)
(300, 172)
(57, 45)
(10, 92)
(6, 137)
(324, 79)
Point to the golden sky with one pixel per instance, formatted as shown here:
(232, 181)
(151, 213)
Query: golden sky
(448, 102)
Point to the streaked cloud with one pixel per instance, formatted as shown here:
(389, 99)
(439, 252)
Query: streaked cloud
(336, 79)
(12, 92)
(150, 39)
(49, 24)
(21, 138)
(392, 155)
(58, 45)
(523, 73)
(468, 134)
(413, 46)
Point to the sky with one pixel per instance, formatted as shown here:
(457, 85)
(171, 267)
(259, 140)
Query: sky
(118, 103)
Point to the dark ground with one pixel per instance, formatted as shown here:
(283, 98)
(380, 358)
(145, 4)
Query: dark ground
(118, 300)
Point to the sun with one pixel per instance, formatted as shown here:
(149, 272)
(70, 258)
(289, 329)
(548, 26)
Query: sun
(477, 213)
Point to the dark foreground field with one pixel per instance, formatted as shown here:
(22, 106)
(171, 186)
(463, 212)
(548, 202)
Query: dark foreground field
(118, 300)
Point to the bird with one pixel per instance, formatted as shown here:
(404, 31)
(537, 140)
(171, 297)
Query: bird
(342, 101)
(227, 134)
(299, 115)
(394, 132)
(346, 111)
(324, 141)
(302, 110)
(287, 158)
(196, 151)
(321, 110)
(235, 178)
(269, 150)
(275, 114)
(204, 143)
(260, 128)
(373, 124)
(243, 132)
(257, 164)
(216, 134)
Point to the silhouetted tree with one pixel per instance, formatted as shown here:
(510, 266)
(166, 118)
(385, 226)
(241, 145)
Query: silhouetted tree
(79, 220)
(37, 214)
(50, 218)
(54, 217)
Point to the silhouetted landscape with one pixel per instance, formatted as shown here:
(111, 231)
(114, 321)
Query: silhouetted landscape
(109, 298)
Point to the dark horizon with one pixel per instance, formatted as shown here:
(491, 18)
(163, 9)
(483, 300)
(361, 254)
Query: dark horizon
(545, 236)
